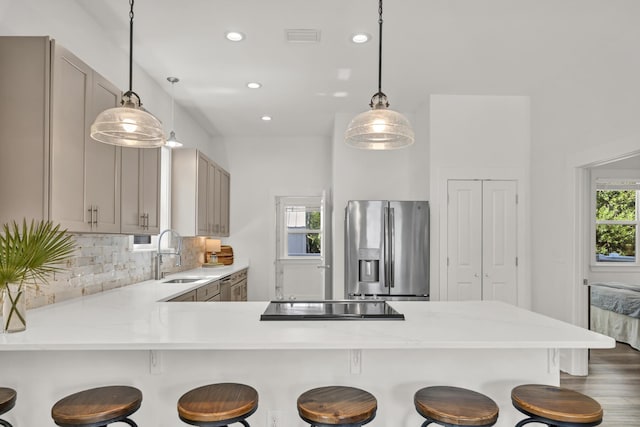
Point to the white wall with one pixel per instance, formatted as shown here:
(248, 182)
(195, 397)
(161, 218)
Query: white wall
(261, 169)
(374, 175)
(576, 120)
(479, 137)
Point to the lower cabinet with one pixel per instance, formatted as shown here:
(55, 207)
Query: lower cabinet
(209, 292)
(187, 296)
(238, 286)
(230, 288)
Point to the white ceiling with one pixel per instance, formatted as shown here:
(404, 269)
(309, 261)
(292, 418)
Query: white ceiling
(498, 47)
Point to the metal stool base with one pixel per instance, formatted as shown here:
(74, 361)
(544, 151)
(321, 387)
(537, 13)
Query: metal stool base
(551, 423)
(125, 420)
(314, 424)
(224, 423)
(441, 423)
(5, 423)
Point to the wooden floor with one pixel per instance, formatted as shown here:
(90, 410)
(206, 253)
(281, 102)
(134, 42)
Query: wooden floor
(614, 381)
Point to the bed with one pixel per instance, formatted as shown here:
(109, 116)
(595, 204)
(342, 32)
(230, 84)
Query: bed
(615, 311)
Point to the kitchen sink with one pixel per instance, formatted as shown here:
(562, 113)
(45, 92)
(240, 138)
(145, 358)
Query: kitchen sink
(183, 280)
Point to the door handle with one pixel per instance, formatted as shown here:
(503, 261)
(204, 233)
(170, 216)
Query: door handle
(392, 246)
(326, 267)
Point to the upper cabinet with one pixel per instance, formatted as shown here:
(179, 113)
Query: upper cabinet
(24, 128)
(199, 195)
(140, 190)
(50, 167)
(85, 174)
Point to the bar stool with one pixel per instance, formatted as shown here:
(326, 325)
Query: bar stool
(98, 407)
(7, 401)
(555, 406)
(454, 407)
(337, 406)
(217, 405)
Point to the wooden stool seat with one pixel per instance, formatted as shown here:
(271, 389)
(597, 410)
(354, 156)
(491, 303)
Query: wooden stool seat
(556, 405)
(337, 405)
(97, 406)
(7, 401)
(218, 404)
(454, 406)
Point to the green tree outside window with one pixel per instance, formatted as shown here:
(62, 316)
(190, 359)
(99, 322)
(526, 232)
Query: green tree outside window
(616, 205)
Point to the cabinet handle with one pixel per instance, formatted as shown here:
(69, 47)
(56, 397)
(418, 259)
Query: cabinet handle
(90, 210)
(141, 221)
(95, 209)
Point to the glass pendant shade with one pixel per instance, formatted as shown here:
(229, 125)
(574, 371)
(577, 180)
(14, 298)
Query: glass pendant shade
(379, 129)
(172, 141)
(128, 126)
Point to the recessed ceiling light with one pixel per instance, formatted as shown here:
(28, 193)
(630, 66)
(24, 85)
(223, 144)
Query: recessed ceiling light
(340, 94)
(234, 36)
(360, 38)
(254, 85)
(266, 118)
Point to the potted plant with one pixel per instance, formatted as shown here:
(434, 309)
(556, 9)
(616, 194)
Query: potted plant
(28, 254)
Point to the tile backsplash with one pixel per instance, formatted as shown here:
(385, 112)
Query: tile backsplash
(105, 261)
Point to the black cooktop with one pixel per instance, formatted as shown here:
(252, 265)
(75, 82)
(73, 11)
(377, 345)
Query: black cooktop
(331, 310)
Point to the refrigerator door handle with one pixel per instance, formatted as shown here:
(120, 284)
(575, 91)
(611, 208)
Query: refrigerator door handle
(392, 238)
(386, 246)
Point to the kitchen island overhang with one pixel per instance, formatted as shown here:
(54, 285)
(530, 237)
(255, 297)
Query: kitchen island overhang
(165, 348)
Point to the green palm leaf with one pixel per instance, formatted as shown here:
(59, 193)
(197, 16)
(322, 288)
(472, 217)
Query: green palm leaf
(31, 253)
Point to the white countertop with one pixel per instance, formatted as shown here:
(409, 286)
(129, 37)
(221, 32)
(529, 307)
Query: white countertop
(137, 317)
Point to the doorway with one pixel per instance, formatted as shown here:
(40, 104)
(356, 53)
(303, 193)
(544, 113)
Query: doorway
(482, 259)
(302, 271)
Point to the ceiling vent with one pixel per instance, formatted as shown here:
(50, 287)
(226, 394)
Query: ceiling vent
(302, 36)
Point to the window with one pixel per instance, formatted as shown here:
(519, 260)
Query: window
(616, 221)
(301, 227)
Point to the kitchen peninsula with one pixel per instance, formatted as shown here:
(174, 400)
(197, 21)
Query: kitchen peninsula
(134, 336)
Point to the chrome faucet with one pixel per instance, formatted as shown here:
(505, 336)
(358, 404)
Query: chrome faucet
(160, 253)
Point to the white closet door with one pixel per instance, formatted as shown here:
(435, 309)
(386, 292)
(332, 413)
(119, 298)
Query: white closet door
(464, 240)
(499, 269)
(481, 241)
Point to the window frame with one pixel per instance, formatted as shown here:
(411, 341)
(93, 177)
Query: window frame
(604, 176)
(310, 204)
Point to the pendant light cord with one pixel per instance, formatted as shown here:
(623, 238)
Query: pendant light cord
(173, 101)
(131, 47)
(379, 47)
(130, 92)
(379, 99)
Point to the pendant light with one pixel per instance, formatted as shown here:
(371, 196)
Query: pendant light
(379, 128)
(129, 125)
(172, 141)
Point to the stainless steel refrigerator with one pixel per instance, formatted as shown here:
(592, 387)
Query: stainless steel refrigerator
(387, 249)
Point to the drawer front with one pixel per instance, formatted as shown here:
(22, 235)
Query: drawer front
(238, 276)
(206, 292)
(188, 296)
(216, 297)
